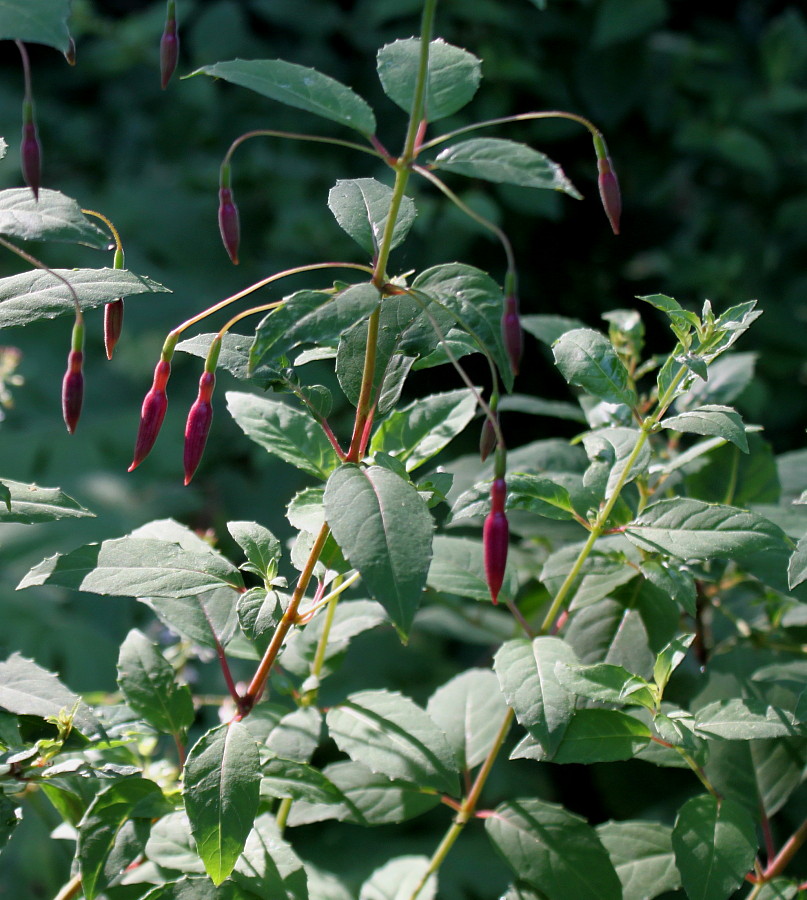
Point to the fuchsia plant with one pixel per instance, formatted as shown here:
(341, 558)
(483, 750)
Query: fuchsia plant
(624, 550)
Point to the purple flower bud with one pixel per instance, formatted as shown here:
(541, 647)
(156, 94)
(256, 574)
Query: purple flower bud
(511, 333)
(495, 539)
(152, 414)
(487, 439)
(73, 390)
(113, 324)
(228, 223)
(198, 425)
(609, 191)
(169, 48)
(31, 155)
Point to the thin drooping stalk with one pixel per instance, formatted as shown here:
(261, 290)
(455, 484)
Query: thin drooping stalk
(312, 138)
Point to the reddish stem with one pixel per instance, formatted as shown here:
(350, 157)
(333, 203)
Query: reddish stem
(228, 677)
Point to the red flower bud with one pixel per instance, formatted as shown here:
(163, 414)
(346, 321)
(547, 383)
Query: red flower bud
(31, 156)
(511, 332)
(169, 48)
(495, 539)
(609, 192)
(113, 323)
(73, 390)
(198, 425)
(487, 439)
(152, 414)
(228, 223)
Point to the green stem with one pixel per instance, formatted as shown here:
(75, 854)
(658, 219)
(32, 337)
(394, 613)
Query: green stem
(322, 646)
(313, 138)
(520, 117)
(70, 889)
(282, 815)
(468, 807)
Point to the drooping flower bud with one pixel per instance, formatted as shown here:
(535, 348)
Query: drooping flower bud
(152, 414)
(495, 539)
(198, 425)
(31, 156)
(511, 332)
(113, 314)
(609, 192)
(73, 381)
(487, 439)
(169, 45)
(228, 223)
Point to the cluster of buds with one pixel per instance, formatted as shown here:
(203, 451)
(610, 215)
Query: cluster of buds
(495, 538)
(73, 381)
(169, 45)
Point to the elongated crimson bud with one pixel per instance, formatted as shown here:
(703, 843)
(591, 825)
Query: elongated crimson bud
(31, 157)
(152, 414)
(169, 46)
(609, 192)
(198, 425)
(73, 390)
(496, 538)
(511, 332)
(113, 314)
(228, 223)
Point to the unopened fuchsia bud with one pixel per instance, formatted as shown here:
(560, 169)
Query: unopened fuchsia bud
(511, 332)
(113, 314)
(228, 216)
(609, 185)
(73, 381)
(496, 538)
(487, 437)
(169, 45)
(152, 413)
(30, 150)
(201, 414)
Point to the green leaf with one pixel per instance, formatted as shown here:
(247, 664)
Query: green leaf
(607, 684)
(297, 780)
(720, 421)
(54, 217)
(797, 567)
(476, 303)
(453, 76)
(259, 612)
(297, 735)
(27, 689)
(136, 567)
(714, 843)
(586, 359)
(601, 735)
(43, 22)
(643, 857)
(10, 817)
(393, 736)
(599, 576)
(692, 529)
(191, 888)
(728, 378)
(297, 86)
(417, 432)
(469, 709)
(745, 720)
(505, 162)
(368, 509)
(537, 406)
(361, 206)
(527, 675)
(260, 546)
(613, 447)
(37, 294)
(541, 496)
(148, 682)
(398, 879)
(367, 798)
(234, 358)
(681, 318)
(553, 850)
(106, 815)
(31, 504)
(458, 568)
(284, 431)
(670, 658)
(268, 867)
(311, 317)
(673, 580)
(171, 844)
(222, 784)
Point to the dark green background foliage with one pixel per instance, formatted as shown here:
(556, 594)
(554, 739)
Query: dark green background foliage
(704, 106)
